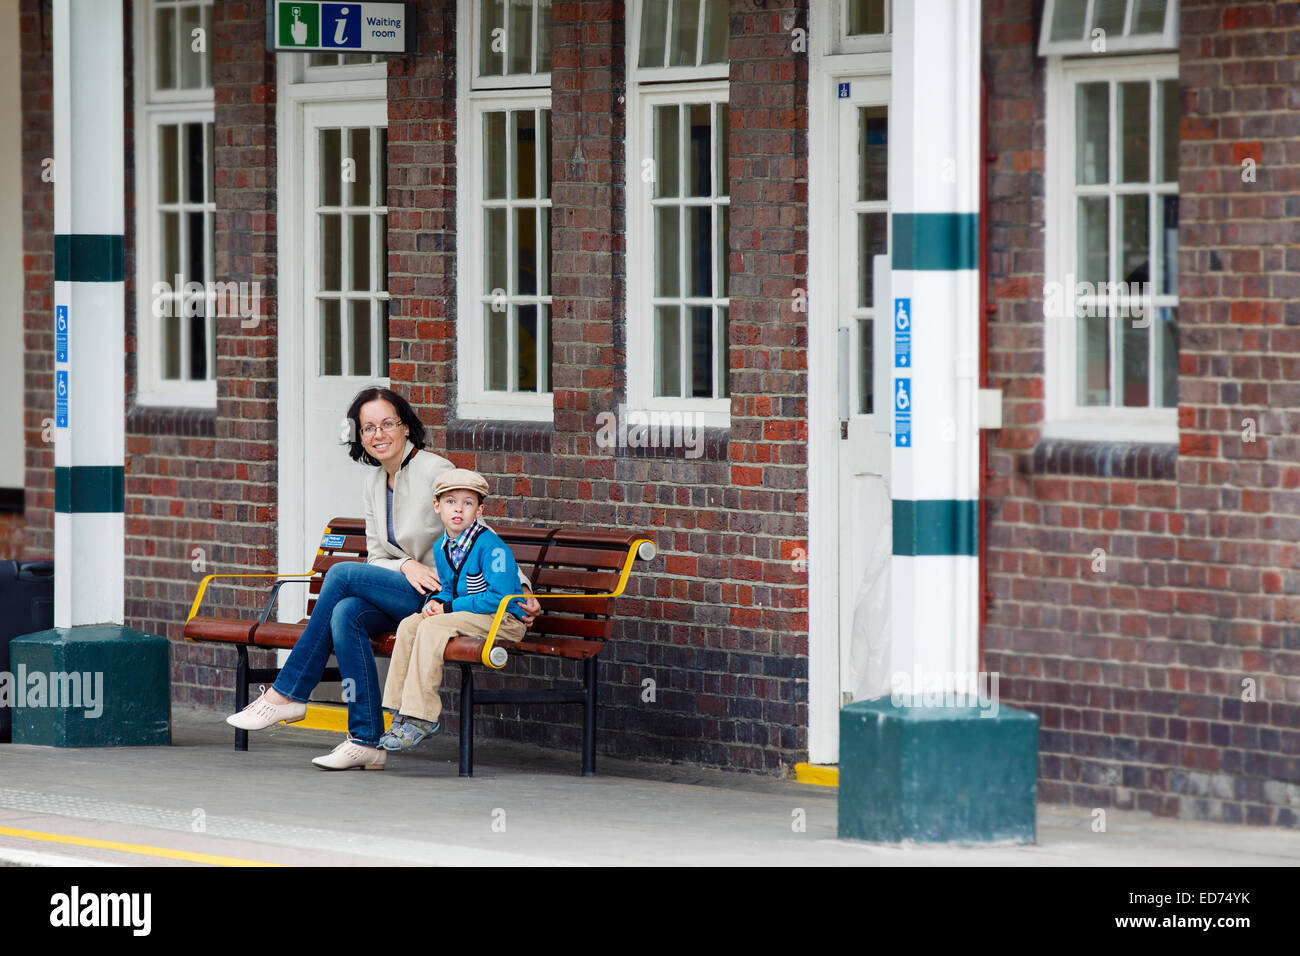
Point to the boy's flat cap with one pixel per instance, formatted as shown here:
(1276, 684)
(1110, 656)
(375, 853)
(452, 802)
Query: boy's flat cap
(458, 479)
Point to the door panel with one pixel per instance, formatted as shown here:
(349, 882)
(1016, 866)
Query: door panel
(345, 311)
(862, 132)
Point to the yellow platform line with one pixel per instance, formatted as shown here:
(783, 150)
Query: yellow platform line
(330, 717)
(823, 775)
(137, 848)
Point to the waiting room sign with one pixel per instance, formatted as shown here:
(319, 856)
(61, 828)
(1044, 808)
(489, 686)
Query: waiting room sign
(311, 25)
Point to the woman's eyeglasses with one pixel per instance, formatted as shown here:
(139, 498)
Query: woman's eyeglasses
(388, 425)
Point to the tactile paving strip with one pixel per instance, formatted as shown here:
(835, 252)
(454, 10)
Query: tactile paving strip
(306, 838)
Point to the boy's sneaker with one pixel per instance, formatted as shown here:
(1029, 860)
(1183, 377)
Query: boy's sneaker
(389, 741)
(408, 734)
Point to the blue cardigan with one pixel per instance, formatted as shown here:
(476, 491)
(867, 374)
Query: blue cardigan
(486, 575)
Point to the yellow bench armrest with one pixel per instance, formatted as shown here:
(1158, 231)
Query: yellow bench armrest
(203, 585)
(642, 547)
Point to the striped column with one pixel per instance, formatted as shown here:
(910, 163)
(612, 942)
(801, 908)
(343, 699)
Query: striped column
(934, 202)
(89, 366)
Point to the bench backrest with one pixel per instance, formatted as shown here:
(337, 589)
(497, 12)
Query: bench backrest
(569, 561)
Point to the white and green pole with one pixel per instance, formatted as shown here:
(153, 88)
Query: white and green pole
(934, 169)
(89, 369)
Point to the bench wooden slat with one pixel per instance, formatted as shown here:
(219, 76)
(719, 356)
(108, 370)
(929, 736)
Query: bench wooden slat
(603, 558)
(275, 634)
(222, 630)
(326, 561)
(576, 605)
(554, 624)
(347, 526)
(570, 579)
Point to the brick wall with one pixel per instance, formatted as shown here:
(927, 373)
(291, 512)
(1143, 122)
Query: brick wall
(167, 450)
(36, 43)
(719, 621)
(1137, 673)
(201, 484)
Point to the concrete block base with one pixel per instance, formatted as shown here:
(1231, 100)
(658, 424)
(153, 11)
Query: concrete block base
(97, 685)
(937, 774)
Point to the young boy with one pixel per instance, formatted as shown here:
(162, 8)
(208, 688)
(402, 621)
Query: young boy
(477, 570)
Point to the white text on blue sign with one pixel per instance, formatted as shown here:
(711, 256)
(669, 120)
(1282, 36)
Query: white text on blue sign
(903, 413)
(61, 334)
(902, 333)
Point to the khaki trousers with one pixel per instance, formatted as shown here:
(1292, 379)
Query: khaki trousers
(415, 672)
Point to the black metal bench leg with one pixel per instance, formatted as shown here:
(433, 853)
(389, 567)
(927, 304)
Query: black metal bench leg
(589, 719)
(466, 721)
(241, 693)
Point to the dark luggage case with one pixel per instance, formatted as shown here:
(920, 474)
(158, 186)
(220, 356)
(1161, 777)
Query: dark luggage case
(26, 606)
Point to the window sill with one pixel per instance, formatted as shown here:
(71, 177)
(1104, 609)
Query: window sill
(1149, 461)
(1136, 426)
(199, 396)
(540, 411)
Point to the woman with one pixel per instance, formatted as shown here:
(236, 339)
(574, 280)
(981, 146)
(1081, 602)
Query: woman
(358, 601)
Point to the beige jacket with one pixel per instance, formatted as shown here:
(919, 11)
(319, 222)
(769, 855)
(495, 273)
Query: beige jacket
(415, 524)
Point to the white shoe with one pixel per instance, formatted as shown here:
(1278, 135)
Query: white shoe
(261, 714)
(350, 754)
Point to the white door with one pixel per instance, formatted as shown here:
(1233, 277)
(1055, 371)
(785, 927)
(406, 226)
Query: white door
(861, 128)
(340, 322)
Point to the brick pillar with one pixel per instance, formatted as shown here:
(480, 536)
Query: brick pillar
(422, 219)
(38, 276)
(245, 449)
(587, 232)
(769, 357)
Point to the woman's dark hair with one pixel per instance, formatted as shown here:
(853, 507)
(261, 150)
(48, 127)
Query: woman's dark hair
(356, 450)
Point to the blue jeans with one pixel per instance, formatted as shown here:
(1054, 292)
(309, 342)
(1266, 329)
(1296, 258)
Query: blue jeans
(356, 602)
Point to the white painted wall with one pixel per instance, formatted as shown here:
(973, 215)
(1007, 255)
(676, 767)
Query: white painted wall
(11, 250)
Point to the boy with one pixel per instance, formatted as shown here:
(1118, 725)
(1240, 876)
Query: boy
(476, 569)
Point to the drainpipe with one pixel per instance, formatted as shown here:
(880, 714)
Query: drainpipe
(988, 311)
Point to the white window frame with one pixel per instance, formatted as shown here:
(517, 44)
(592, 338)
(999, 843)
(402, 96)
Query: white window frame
(646, 89)
(469, 16)
(475, 400)
(474, 97)
(1166, 39)
(154, 109)
(663, 74)
(1063, 417)
(301, 70)
(860, 43)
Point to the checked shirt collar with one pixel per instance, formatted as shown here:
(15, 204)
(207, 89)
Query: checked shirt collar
(457, 549)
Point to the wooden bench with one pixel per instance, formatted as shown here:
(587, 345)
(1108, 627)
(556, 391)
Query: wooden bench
(575, 575)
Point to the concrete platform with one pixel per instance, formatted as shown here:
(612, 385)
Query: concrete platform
(199, 802)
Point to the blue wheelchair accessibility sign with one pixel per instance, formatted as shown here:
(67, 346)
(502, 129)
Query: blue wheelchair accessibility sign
(902, 333)
(903, 413)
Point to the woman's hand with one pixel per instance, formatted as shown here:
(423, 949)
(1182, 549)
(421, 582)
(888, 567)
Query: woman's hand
(532, 607)
(423, 579)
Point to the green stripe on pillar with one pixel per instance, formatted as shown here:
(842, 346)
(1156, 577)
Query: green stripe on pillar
(935, 527)
(936, 241)
(87, 489)
(88, 258)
